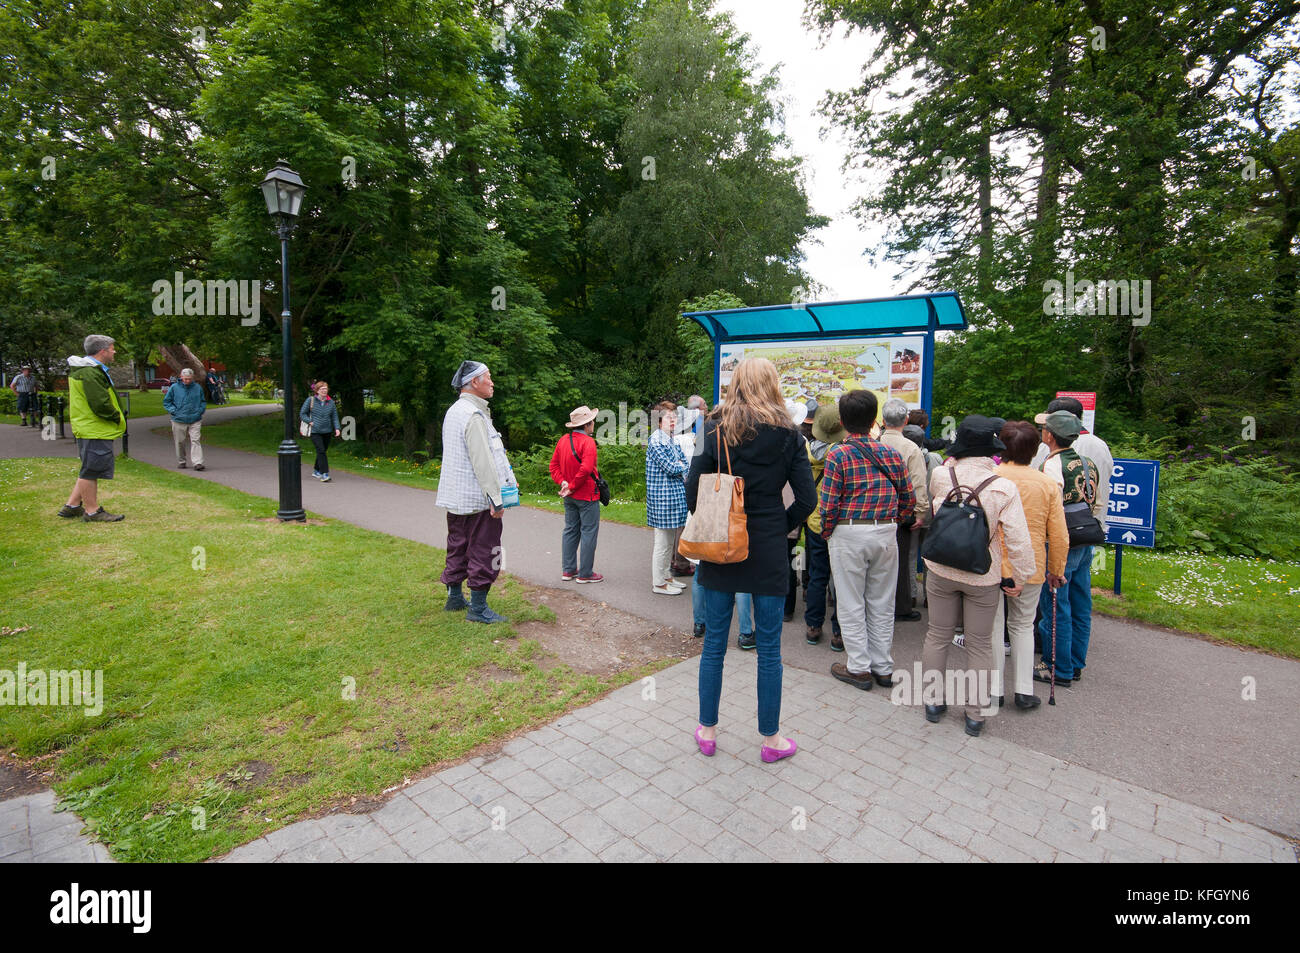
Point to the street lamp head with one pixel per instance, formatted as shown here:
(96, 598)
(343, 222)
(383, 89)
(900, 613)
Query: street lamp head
(283, 190)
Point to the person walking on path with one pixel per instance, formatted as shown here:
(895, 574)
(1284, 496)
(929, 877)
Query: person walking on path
(573, 467)
(24, 385)
(322, 413)
(97, 420)
(865, 495)
(753, 430)
(1045, 516)
(1076, 477)
(894, 416)
(971, 598)
(185, 405)
(474, 471)
(665, 496)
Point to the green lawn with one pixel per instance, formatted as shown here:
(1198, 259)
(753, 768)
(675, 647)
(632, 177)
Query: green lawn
(1253, 602)
(148, 403)
(228, 670)
(263, 433)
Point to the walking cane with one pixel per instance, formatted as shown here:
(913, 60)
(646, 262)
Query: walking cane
(1051, 700)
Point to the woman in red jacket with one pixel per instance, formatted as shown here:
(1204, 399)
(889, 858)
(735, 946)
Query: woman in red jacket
(573, 465)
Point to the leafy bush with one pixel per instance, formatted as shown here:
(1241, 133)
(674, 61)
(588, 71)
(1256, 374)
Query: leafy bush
(1221, 501)
(9, 400)
(622, 466)
(259, 388)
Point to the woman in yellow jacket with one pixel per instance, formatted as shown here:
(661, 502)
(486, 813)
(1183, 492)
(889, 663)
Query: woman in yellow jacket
(1041, 497)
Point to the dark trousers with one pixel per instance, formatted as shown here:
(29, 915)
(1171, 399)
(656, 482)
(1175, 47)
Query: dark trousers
(322, 443)
(906, 571)
(473, 549)
(581, 524)
(819, 574)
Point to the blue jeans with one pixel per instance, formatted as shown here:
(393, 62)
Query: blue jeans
(744, 606)
(1073, 614)
(768, 612)
(819, 574)
(581, 520)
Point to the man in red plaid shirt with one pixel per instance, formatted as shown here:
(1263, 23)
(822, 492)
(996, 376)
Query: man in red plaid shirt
(865, 494)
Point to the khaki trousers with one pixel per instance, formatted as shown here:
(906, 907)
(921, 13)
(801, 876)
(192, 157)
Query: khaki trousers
(184, 435)
(974, 607)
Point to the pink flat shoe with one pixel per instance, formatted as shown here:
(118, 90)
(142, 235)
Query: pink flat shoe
(776, 754)
(707, 747)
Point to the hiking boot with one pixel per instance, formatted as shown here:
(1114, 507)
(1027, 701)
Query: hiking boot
(837, 643)
(814, 634)
(72, 512)
(747, 641)
(478, 608)
(103, 516)
(455, 600)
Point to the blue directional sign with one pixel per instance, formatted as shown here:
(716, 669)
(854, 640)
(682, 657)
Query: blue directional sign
(1131, 512)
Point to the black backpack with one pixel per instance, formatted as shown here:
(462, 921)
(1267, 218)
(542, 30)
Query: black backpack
(959, 536)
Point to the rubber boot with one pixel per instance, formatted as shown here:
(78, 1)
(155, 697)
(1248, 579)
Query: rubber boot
(455, 599)
(478, 608)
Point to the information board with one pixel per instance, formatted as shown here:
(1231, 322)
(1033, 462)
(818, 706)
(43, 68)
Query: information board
(890, 366)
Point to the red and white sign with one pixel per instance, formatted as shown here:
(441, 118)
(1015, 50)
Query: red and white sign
(1089, 401)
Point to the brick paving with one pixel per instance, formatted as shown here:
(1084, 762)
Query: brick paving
(621, 780)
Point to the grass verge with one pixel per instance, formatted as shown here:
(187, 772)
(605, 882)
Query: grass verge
(253, 672)
(1246, 601)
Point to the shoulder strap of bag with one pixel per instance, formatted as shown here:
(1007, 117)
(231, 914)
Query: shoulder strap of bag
(1089, 484)
(723, 447)
(594, 473)
(974, 495)
(876, 463)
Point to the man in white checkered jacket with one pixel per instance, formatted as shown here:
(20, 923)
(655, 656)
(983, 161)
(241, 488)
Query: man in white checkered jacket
(474, 470)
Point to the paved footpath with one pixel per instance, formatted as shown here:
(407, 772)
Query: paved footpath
(621, 780)
(1157, 728)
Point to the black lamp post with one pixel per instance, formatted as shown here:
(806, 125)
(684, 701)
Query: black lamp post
(283, 190)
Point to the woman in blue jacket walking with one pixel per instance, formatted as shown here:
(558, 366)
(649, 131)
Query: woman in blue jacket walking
(320, 411)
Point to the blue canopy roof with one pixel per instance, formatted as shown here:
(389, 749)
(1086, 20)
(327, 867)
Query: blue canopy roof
(941, 311)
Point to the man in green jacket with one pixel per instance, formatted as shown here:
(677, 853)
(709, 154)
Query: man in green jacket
(97, 420)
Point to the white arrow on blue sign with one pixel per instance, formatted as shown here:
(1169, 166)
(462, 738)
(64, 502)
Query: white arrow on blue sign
(1131, 513)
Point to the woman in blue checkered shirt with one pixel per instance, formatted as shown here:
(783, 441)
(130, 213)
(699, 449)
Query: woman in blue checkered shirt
(665, 495)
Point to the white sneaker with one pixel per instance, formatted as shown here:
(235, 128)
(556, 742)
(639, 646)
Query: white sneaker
(677, 585)
(666, 590)
(959, 640)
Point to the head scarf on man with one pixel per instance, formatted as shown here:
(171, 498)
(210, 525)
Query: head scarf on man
(466, 373)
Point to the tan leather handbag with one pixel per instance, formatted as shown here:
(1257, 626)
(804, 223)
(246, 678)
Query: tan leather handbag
(716, 532)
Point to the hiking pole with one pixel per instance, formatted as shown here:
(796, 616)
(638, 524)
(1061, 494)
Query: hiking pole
(1051, 700)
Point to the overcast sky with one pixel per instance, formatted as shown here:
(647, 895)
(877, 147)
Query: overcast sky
(807, 71)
